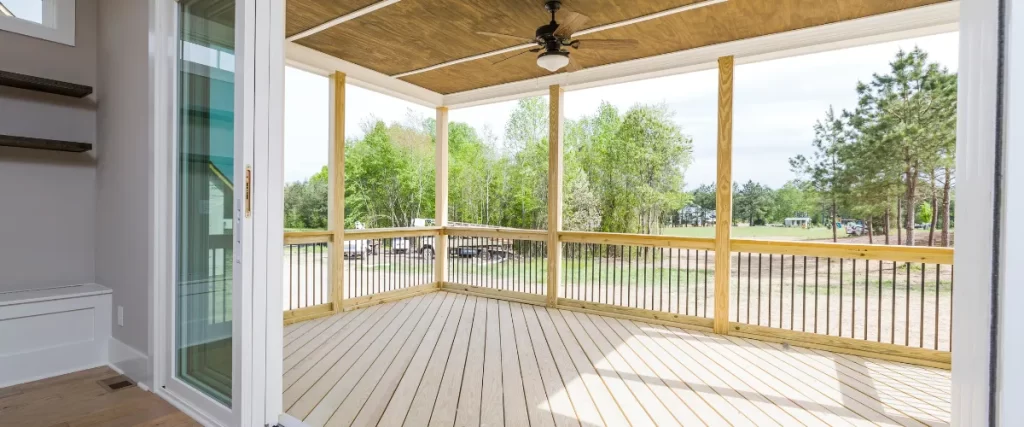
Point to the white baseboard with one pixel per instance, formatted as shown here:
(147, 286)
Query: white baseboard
(130, 362)
(189, 410)
(50, 332)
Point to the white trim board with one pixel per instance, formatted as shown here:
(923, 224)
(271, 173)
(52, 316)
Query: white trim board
(130, 362)
(342, 19)
(320, 63)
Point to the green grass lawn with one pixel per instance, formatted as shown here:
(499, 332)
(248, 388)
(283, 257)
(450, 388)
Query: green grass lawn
(761, 232)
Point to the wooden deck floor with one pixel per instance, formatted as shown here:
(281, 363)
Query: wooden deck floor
(446, 359)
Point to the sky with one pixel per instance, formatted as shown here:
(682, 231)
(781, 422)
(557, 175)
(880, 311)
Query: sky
(776, 103)
(31, 10)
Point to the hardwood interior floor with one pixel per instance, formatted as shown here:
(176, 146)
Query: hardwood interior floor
(78, 400)
(446, 359)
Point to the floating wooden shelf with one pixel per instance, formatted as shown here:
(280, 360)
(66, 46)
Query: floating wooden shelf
(43, 144)
(40, 84)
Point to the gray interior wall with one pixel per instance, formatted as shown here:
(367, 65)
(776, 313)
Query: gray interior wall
(48, 199)
(123, 175)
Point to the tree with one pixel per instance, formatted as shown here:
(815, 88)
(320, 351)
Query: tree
(909, 115)
(753, 202)
(705, 199)
(825, 170)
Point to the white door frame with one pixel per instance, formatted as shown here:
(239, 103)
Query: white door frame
(257, 330)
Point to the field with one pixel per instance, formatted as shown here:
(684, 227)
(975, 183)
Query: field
(759, 232)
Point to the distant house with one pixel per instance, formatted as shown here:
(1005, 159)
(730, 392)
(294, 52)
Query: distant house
(797, 222)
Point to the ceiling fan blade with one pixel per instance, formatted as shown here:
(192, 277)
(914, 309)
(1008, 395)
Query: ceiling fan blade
(571, 23)
(608, 44)
(515, 56)
(505, 36)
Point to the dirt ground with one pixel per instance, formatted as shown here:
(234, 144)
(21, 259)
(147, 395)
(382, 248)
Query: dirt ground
(920, 239)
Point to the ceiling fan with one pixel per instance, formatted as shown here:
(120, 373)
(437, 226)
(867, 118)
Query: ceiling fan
(555, 36)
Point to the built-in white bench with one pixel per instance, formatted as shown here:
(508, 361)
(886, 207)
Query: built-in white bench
(50, 332)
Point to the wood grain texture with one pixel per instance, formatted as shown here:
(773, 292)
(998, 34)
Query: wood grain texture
(637, 240)
(452, 359)
(723, 195)
(720, 23)
(441, 194)
(336, 194)
(556, 134)
(305, 14)
(78, 399)
(914, 254)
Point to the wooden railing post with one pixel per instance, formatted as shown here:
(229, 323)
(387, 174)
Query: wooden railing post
(555, 169)
(336, 193)
(723, 198)
(441, 196)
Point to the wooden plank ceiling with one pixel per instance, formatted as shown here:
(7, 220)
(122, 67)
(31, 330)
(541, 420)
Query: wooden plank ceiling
(413, 34)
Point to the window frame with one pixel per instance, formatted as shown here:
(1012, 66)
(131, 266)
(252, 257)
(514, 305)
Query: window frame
(58, 23)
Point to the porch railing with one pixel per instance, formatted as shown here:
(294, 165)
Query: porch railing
(510, 262)
(886, 301)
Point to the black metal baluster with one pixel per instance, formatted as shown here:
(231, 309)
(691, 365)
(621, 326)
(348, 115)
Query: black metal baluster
(629, 274)
(705, 284)
(688, 285)
(803, 305)
(739, 284)
(749, 256)
(816, 275)
(678, 287)
(906, 324)
(661, 281)
(828, 297)
(920, 339)
(841, 296)
(792, 291)
(867, 295)
(878, 336)
(853, 302)
(759, 270)
(892, 333)
(938, 272)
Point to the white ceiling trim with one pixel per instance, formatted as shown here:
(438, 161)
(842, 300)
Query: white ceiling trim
(910, 23)
(344, 18)
(317, 62)
(593, 30)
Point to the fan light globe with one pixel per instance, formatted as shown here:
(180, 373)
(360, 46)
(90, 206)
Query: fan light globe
(553, 61)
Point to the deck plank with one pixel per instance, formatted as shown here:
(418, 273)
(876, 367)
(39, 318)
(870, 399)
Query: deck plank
(492, 407)
(353, 402)
(449, 359)
(451, 381)
(430, 383)
(575, 369)
(471, 391)
(330, 373)
(513, 393)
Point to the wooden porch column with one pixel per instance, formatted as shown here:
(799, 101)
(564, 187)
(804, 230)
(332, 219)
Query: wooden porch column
(441, 196)
(555, 169)
(336, 193)
(723, 196)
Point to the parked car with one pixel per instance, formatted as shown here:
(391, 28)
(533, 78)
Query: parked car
(855, 229)
(356, 249)
(399, 246)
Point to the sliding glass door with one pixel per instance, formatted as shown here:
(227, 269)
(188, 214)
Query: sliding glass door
(205, 192)
(220, 154)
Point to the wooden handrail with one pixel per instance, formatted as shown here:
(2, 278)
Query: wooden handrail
(927, 255)
(305, 237)
(497, 233)
(637, 240)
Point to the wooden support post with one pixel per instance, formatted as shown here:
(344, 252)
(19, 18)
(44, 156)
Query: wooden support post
(723, 196)
(441, 196)
(336, 192)
(555, 135)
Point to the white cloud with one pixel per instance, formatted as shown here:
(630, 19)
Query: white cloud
(776, 103)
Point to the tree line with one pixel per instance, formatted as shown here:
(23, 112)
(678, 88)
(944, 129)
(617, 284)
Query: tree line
(890, 158)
